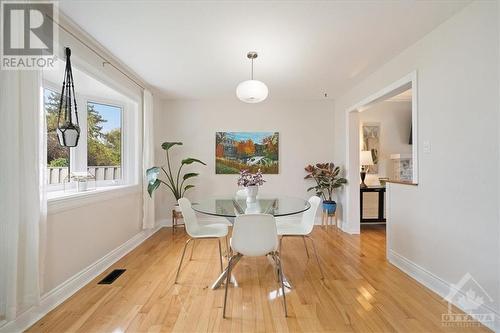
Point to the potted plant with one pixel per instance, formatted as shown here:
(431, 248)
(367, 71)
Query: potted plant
(327, 177)
(176, 184)
(81, 180)
(251, 183)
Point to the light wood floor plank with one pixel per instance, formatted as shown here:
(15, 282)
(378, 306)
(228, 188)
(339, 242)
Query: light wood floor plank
(362, 292)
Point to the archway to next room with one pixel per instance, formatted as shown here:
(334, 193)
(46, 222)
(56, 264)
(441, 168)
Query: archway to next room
(381, 148)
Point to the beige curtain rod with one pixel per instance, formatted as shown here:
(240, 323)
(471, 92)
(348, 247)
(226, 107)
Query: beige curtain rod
(105, 61)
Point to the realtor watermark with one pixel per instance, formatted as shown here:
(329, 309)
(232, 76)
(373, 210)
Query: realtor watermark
(469, 296)
(29, 35)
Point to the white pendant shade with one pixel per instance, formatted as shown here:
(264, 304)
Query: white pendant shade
(252, 91)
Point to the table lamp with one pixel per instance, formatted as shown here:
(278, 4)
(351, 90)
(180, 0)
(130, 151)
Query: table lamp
(365, 160)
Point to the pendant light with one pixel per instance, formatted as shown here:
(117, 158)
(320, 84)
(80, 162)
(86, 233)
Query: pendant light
(252, 91)
(68, 132)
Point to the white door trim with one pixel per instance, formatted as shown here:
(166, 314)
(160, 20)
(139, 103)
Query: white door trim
(352, 224)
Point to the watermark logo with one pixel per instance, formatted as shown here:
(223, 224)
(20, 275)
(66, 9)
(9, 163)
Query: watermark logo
(469, 296)
(28, 34)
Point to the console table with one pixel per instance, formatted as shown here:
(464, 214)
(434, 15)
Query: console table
(380, 218)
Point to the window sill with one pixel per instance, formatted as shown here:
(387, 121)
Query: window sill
(59, 201)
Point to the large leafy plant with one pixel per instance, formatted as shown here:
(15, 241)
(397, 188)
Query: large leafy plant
(174, 183)
(327, 177)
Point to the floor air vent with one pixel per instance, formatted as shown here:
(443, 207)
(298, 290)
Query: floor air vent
(111, 277)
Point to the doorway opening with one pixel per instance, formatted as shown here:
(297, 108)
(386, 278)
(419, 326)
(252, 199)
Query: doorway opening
(381, 147)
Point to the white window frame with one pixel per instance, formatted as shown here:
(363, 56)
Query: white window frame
(53, 87)
(123, 154)
(78, 155)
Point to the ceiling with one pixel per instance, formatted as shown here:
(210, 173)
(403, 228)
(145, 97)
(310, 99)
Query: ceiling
(86, 84)
(197, 50)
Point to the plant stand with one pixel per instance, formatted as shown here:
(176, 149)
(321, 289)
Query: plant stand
(176, 216)
(328, 218)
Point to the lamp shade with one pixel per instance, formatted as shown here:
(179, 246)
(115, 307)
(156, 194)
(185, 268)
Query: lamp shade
(252, 91)
(365, 157)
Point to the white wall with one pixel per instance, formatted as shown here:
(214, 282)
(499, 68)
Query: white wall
(78, 237)
(394, 118)
(448, 224)
(305, 132)
(83, 236)
(498, 147)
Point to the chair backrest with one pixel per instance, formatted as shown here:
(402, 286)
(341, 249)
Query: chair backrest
(309, 216)
(189, 217)
(254, 234)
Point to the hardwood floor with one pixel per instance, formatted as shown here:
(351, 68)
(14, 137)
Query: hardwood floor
(362, 292)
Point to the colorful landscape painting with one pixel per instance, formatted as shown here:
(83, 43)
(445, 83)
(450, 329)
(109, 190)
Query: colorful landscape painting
(235, 151)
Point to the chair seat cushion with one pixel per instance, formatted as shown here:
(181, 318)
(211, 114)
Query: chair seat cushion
(207, 220)
(211, 230)
(291, 228)
(288, 219)
(257, 254)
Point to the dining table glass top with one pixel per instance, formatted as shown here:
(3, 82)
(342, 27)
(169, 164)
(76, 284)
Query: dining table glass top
(232, 207)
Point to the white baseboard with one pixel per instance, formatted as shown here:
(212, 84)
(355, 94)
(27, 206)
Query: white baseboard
(66, 289)
(436, 284)
(318, 220)
(163, 223)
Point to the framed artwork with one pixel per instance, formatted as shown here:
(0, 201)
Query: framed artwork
(252, 151)
(371, 142)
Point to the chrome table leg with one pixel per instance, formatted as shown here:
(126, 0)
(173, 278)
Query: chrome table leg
(223, 275)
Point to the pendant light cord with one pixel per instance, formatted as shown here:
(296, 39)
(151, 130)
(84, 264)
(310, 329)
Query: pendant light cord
(252, 68)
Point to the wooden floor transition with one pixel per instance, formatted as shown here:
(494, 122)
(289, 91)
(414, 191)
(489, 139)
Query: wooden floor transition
(362, 292)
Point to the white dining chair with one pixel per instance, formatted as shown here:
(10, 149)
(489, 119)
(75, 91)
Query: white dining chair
(198, 231)
(254, 235)
(302, 228)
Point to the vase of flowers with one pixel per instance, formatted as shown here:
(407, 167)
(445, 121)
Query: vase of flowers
(253, 207)
(251, 182)
(328, 180)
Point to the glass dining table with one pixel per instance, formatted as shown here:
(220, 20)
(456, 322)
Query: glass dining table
(230, 207)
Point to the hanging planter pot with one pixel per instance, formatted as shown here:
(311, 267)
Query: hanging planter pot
(68, 129)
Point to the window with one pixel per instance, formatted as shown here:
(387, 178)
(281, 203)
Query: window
(108, 146)
(104, 140)
(57, 157)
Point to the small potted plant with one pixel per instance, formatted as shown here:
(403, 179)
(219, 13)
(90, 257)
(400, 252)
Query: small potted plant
(82, 180)
(251, 183)
(176, 184)
(327, 178)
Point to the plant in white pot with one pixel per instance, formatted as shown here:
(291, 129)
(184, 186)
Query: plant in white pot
(327, 177)
(175, 181)
(251, 183)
